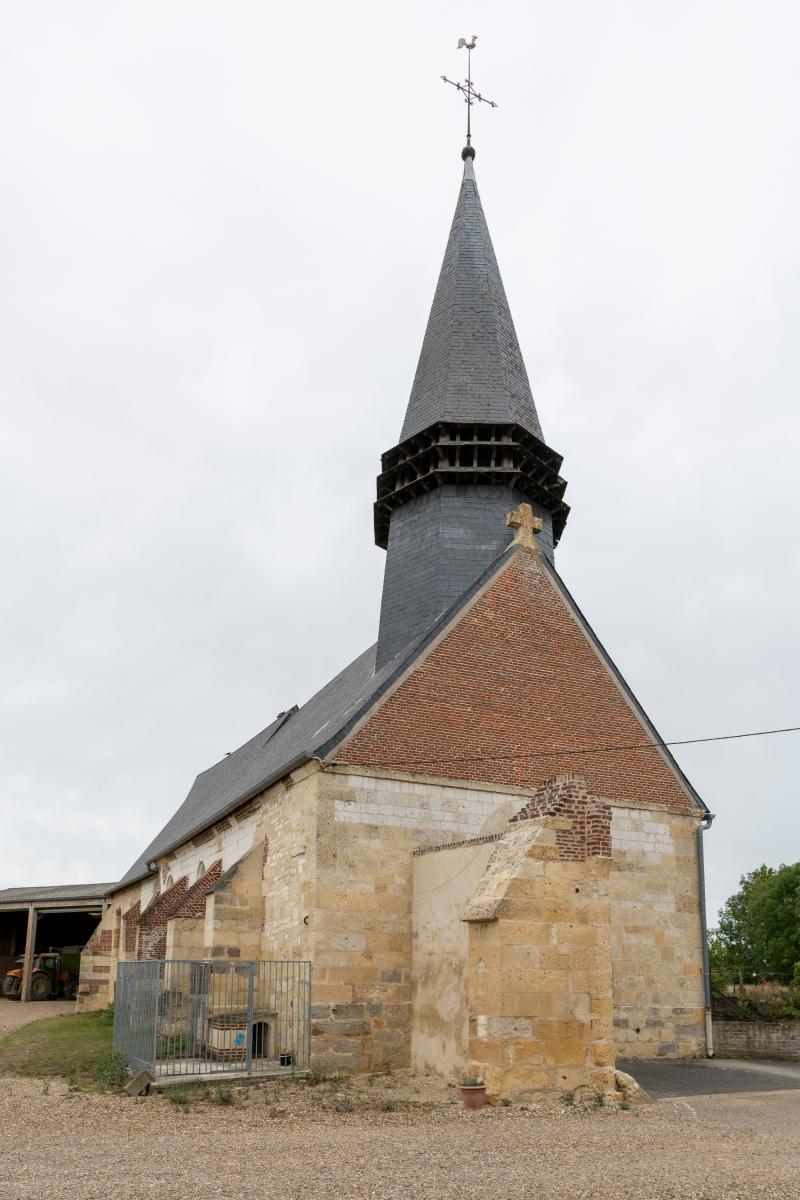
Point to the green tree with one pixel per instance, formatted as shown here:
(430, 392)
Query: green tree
(759, 927)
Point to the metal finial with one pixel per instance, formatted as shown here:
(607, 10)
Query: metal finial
(468, 92)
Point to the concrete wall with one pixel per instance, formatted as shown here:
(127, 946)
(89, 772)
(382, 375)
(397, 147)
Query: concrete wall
(656, 949)
(761, 1039)
(443, 881)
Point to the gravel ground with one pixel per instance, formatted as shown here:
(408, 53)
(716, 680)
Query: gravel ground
(380, 1139)
(13, 1014)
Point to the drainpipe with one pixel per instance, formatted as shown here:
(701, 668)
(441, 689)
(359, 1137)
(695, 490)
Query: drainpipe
(701, 829)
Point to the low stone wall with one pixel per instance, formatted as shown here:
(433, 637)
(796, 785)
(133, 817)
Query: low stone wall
(761, 1039)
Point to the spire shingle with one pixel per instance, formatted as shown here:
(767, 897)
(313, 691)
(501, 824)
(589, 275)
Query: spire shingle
(471, 366)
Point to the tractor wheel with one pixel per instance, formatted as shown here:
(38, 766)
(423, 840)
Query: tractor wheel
(11, 987)
(40, 987)
(71, 989)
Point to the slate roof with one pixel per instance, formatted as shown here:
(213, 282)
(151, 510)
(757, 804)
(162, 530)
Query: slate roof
(289, 741)
(470, 367)
(315, 730)
(69, 891)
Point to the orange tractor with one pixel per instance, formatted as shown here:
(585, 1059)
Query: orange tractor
(55, 974)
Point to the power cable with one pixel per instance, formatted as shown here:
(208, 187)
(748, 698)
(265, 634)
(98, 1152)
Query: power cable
(611, 749)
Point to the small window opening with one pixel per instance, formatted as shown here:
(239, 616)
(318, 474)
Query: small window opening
(260, 1039)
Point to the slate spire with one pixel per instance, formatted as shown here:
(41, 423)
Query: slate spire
(471, 446)
(471, 366)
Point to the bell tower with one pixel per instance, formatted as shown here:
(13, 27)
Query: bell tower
(471, 446)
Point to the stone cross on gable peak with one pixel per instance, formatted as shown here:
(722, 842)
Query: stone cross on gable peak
(526, 525)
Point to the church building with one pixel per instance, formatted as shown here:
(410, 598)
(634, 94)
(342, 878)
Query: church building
(473, 833)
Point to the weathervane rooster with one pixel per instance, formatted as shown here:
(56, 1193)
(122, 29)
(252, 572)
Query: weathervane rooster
(468, 91)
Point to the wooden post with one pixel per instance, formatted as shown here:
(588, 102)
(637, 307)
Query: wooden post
(30, 947)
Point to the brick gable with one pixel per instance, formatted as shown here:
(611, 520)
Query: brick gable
(516, 674)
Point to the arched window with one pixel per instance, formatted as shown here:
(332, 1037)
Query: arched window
(201, 870)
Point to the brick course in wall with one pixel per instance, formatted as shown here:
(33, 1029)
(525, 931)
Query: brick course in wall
(193, 904)
(153, 921)
(129, 922)
(515, 676)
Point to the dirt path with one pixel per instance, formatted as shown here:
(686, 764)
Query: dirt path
(378, 1140)
(13, 1014)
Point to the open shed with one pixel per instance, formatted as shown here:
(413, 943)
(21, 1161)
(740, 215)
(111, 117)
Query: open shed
(37, 919)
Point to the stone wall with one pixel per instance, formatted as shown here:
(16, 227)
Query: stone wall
(328, 877)
(233, 919)
(657, 946)
(185, 938)
(146, 920)
(369, 824)
(757, 1039)
(362, 940)
(287, 835)
(443, 881)
(539, 983)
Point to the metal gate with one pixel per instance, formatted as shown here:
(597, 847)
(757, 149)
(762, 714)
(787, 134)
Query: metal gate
(174, 1017)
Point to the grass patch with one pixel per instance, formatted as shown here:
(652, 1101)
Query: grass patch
(69, 1046)
(111, 1069)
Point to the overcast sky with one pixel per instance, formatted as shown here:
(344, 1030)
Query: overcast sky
(220, 230)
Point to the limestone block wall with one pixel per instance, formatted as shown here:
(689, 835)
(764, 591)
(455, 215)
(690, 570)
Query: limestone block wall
(104, 949)
(98, 966)
(233, 914)
(369, 824)
(120, 933)
(539, 982)
(226, 840)
(185, 937)
(288, 846)
(443, 882)
(656, 936)
(440, 811)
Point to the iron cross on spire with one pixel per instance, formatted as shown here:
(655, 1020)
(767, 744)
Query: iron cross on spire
(468, 91)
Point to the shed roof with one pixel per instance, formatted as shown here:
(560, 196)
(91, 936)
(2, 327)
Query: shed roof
(67, 891)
